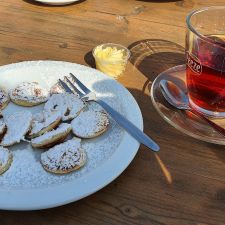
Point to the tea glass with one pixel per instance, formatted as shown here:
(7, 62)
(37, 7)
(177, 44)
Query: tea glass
(205, 65)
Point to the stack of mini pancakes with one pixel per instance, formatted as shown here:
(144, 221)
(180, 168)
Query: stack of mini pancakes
(63, 114)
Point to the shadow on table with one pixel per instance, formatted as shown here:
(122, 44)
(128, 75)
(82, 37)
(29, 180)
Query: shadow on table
(151, 122)
(89, 59)
(153, 56)
(150, 57)
(46, 5)
(218, 150)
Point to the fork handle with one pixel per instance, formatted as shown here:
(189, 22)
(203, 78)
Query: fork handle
(129, 127)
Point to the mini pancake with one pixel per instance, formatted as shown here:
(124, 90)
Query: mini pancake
(64, 158)
(44, 122)
(18, 124)
(4, 100)
(2, 129)
(90, 123)
(29, 94)
(6, 159)
(70, 105)
(56, 89)
(53, 137)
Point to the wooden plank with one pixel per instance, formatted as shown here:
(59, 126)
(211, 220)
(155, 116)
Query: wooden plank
(185, 183)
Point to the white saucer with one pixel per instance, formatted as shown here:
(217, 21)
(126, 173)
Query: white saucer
(57, 2)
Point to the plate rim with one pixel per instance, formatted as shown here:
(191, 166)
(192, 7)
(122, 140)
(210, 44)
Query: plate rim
(61, 2)
(21, 199)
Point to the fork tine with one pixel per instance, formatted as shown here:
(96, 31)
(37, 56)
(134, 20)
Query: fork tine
(80, 84)
(65, 86)
(74, 88)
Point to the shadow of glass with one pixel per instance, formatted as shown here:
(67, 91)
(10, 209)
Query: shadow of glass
(153, 56)
(46, 5)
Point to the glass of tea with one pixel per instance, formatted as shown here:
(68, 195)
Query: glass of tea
(205, 65)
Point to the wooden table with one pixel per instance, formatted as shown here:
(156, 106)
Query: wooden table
(185, 182)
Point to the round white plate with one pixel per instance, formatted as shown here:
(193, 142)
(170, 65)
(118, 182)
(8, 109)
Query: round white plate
(26, 185)
(57, 2)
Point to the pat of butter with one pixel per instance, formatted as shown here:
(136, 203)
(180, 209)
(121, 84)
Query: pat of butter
(110, 60)
(109, 54)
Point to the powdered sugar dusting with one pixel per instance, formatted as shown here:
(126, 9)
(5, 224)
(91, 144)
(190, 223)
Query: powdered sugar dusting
(4, 156)
(43, 119)
(25, 171)
(30, 92)
(64, 156)
(68, 104)
(56, 89)
(18, 124)
(19, 176)
(90, 122)
(99, 150)
(62, 129)
(2, 126)
(3, 98)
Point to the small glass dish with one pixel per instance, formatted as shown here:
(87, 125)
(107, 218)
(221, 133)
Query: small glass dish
(111, 59)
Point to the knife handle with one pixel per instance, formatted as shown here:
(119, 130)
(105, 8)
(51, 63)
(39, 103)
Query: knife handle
(130, 127)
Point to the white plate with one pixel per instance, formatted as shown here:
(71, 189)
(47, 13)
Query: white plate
(26, 185)
(57, 2)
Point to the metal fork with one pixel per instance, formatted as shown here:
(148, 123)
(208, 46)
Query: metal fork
(87, 95)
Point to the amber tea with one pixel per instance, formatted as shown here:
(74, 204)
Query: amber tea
(205, 60)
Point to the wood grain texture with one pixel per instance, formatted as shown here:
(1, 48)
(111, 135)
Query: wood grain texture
(186, 183)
